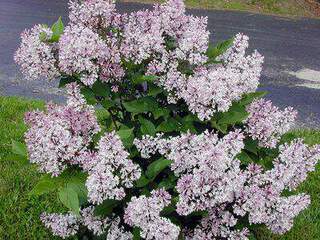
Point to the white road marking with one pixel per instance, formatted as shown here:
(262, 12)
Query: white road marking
(312, 78)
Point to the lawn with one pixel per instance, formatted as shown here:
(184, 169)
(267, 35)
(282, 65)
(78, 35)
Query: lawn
(278, 7)
(19, 212)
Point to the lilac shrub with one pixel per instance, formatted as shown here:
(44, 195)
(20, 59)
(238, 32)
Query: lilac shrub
(186, 147)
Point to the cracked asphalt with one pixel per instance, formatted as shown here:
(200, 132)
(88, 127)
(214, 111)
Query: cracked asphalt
(291, 48)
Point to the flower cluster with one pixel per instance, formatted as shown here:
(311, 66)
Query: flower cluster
(211, 177)
(144, 212)
(56, 137)
(214, 88)
(36, 57)
(111, 170)
(62, 225)
(267, 123)
(94, 223)
(91, 13)
(218, 224)
(79, 49)
(66, 225)
(195, 159)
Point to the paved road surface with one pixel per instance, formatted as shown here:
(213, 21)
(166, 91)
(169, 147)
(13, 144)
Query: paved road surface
(291, 48)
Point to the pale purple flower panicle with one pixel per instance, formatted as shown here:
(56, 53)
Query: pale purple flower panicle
(112, 171)
(200, 161)
(149, 145)
(117, 232)
(266, 123)
(215, 88)
(262, 196)
(293, 164)
(92, 13)
(142, 36)
(62, 225)
(210, 176)
(80, 48)
(212, 88)
(144, 212)
(94, 223)
(66, 225)
(36, 55)
(57, 136)
(218, 224)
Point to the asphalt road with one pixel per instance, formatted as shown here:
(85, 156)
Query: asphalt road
(291, 48)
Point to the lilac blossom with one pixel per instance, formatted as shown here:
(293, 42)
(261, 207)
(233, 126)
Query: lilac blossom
(117, 232)
(94, 223)
(62, 225)
(262, 196)
(57, 136)
(142, 36)
(215, 88)
(218, 224)
(112, 171)
(203, 183)
(92, 13)
(66, 225)
(266, 123)
(144, 212)
(293, 164)
(36, 55)
(79, 49)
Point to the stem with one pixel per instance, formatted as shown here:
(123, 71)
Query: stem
(113, 119)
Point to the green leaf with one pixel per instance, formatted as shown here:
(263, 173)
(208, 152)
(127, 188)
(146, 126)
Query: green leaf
(88, 95)
(156, 167)
(136, 233)
(168, 210)
(65, 80)
(57, 30)
(250, 97)
(101, 89)
(236, 114)
(168, 182)
(80, 188)
(141, 105)
(147, 127)
(244, 158)
(19, 148)
(44, 186)
(106, 207)
(126, 136)
(69, 198)
(199, 214)
(170, 125)
(222, 128)
(107, 103)
(144, 78)
(154, 90)
(187, 124)
(251, 145)
(220, 48)
(142, 181)
(252, 237)
(43, 36)
(161, 112)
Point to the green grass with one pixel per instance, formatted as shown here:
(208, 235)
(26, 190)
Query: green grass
(19, 213)
(278, 7)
